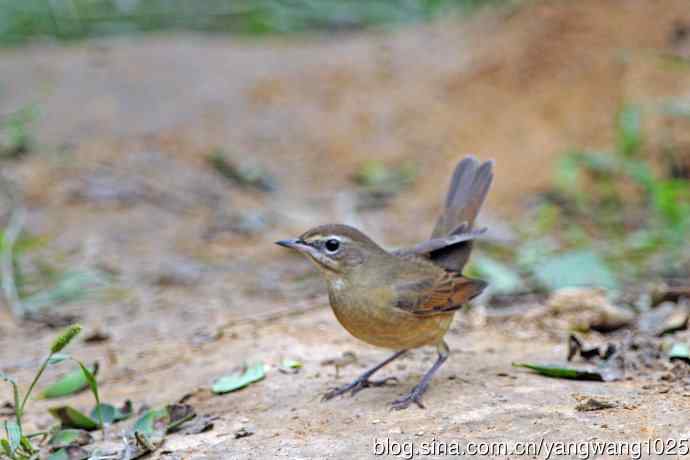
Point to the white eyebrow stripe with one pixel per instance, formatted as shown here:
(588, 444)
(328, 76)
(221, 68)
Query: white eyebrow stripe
(338, 237)
(329, 237)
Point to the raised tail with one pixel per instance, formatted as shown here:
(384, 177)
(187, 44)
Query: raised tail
(468, 188)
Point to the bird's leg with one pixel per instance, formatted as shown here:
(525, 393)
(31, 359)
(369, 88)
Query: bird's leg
(363, 381)
(415, 396)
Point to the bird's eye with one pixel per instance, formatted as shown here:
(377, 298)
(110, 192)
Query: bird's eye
(332, 245)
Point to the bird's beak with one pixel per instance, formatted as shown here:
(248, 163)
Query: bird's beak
(310, 252)
(296, 244)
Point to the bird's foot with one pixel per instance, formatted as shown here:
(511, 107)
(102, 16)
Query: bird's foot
(357, 386)
(414, 396)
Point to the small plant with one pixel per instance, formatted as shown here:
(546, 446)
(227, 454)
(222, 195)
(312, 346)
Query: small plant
(44, 285)
(378, 183)
(612, 217)
(618, 198)
(17, 445)
(78, 19)
(16, 133)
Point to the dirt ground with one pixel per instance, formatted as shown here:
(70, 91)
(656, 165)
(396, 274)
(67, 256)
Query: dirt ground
(118, 182)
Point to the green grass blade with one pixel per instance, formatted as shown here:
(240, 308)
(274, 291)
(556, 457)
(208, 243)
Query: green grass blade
(14, 435)
(561, 372)
(630, 130)
(91, 380)
(15, 394)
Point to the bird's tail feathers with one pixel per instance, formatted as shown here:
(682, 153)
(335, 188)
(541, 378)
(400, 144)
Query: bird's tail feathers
(469, 186)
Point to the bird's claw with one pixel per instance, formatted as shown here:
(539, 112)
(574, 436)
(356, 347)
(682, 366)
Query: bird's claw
(372, 383)
(414, 396)
(357, 386)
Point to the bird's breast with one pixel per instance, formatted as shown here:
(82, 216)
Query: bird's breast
(369, 313)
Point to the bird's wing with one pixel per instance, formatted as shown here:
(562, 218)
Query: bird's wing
(437, 293)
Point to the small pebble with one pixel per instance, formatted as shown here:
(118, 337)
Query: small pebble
(244, 432)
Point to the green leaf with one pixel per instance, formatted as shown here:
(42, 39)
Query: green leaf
(534, 251)
(24, 243)
(671, 200)
(155, 423)
(91, 380)
(152, 421)
(70, 384)
(72, 418)
(641, 172)
(501, 278)
(577, 268)
(602, 163)
(71, 287)
(291, 364)
(57, 358)
(630, 130)
(60, 454)
(376, 176)
(568, 171)
(112, 414)
(14, 434)
(26, 444)
(561, 372)
(680, 351)
(70, 453)
(233, 382)
(372, 172)
(6, 447)
(70, 436)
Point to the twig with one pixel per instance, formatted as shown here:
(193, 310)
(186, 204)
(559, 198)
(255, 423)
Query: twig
(144, 442)
(12, 232)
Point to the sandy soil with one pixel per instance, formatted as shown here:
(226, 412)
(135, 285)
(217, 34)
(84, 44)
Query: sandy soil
(119, 183)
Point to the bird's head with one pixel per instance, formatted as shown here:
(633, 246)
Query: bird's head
(335, 248)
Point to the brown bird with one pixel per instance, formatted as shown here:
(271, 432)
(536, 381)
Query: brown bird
(407, 298)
